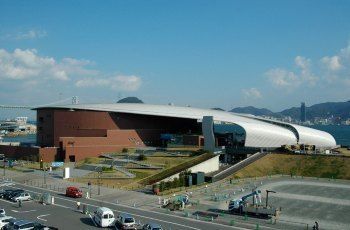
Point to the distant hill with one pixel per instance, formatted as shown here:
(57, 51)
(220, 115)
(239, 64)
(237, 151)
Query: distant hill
(220, 109)
(322, 110)
(130, 100)
(254, 111)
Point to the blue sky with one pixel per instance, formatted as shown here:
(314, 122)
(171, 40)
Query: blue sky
(271, 54)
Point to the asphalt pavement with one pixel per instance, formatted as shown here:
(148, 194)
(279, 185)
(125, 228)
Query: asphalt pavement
(64, 215)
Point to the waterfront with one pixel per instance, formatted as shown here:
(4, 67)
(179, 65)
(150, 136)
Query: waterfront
(30, 138)
(341, 133)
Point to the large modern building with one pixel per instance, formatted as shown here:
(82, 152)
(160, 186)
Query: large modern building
(73, 132)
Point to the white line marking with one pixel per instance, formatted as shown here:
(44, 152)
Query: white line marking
(23, 211)
(93, 220)
(62, 206)
(39, 217)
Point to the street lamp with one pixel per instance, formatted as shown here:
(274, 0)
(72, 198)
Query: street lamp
(89, 185)
(4, 166)
(44, 174)
(99, 183)
(267, 195)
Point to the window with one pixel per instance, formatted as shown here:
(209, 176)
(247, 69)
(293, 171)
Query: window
(105, 216)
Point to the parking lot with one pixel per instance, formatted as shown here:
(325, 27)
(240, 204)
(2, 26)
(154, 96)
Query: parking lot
(63, 214)
(303, 201)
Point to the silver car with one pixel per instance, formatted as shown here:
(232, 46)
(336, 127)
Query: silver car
(24, 196)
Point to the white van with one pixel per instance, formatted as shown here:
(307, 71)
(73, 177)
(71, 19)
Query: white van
(104, 217)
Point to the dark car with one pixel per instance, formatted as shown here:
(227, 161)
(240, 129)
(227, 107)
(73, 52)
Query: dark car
(21, 224)
(6, 191)
(152, 226)
(12, 194)
(10, 224)
(39, 226)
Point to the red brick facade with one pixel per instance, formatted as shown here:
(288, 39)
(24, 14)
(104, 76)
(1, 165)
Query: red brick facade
(82, 133)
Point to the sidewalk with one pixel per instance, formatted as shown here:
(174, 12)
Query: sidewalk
(56, 184)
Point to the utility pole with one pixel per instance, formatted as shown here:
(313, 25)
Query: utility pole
(267, 196)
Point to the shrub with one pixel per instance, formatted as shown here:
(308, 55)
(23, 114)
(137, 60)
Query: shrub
(141, 157)
(107, 169)
(125, 150)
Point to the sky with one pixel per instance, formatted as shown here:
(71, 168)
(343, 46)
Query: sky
(267, 54)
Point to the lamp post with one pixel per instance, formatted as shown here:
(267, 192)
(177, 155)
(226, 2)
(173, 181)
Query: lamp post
(44, 174)
(267, 195)
(89, 185)
(99, 183)
(4, 167)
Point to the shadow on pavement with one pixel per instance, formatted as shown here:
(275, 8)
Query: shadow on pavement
(88, 221)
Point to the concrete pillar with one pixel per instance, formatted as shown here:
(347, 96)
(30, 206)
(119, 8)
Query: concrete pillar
(208, 133)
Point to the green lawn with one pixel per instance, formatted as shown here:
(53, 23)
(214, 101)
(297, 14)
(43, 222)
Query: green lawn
(300, 165)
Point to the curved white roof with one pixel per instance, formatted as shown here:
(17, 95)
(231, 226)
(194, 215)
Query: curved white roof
(259, 133)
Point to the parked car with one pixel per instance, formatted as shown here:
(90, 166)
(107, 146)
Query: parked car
(2, 212)
(104, 217)
(152, 226)
(125, 221)
(74, 192)
(5, 220)
(9, 195)
(5, 192)
(24, 196)
(10, 224)
(39, 226)
(22, 225)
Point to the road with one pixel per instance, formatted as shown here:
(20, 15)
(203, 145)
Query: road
(69, 218)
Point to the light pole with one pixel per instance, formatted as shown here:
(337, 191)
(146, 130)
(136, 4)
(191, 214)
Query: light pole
(4, 166)
(44, 174)
(89, 185)
(99, 183)
(267, 195)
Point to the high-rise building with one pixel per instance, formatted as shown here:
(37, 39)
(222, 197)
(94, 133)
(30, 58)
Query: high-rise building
(302, 112)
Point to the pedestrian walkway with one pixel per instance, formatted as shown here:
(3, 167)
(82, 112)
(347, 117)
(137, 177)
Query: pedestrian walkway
(129, 198)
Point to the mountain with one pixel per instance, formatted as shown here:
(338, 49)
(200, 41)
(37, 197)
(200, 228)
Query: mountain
(254, 111)
(217, 108)
(321, 110)
(130, 100)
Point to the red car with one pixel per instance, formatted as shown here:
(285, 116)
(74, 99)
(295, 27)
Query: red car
(74, 192)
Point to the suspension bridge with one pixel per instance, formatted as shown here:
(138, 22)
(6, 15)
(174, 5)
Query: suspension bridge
(74, 100)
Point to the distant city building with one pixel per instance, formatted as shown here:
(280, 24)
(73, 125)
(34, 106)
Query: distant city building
(347, 122)
(302, 112)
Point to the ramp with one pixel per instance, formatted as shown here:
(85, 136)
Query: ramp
(236, 167)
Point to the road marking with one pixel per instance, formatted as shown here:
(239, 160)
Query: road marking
(93, 220)
(63, 206)
(39, 217)
(23, 211)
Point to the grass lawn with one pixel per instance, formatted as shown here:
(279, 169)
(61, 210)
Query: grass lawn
(344, 151)
(300, 165)
(166, 161)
